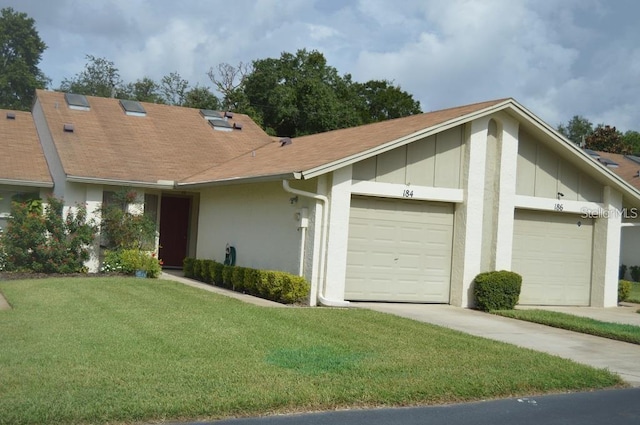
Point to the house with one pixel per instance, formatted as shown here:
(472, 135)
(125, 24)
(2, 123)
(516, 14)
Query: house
(23, 168)
(406, 210)
(626, 167)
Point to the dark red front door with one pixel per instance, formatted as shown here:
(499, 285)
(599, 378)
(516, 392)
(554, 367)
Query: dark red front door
(174, 230)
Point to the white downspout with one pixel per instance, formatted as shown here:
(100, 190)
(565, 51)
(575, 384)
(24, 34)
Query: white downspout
(303, 241)
(323, 243)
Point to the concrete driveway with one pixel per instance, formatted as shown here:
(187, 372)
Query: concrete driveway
(619, 357)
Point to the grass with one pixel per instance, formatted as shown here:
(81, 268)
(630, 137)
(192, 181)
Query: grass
(125, 350)
(617, 331)
(634, 296)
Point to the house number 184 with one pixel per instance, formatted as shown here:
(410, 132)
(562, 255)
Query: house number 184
(407, 193)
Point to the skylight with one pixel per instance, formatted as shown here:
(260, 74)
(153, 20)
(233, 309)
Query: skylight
(133, 108)
(77, 101)
(220, 124)
(210, 114)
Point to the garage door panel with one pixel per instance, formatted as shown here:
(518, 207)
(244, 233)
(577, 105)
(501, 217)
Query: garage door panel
(553, 253)
(399, 251)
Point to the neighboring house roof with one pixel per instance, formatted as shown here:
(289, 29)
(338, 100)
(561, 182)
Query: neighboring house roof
(324, 149)
(628, 166)
(22, 160)
(169, 143)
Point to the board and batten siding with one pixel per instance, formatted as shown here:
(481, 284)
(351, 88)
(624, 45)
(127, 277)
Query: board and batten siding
(434, 161)
(542, 173)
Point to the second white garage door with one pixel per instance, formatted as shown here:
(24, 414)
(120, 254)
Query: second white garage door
(552, 252)
(399, 250)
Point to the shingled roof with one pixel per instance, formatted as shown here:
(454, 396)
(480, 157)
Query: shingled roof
(168, 143)
(628, 167)
(22, 161)
(310, 152)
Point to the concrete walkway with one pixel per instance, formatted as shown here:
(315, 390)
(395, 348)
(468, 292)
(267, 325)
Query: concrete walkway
(619, 357)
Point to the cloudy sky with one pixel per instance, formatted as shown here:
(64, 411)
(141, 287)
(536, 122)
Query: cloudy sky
(559, 58)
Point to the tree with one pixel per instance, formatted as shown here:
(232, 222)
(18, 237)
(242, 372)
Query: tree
(144, 90)
(99, 78)
(201, 98)
(20, 53)
(381, 100)
(173, 89)
(299, 94)
(229, 80)
(607, 139)
(576, 129)
(632, 139)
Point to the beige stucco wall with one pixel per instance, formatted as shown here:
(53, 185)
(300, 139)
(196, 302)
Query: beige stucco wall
(260, 220)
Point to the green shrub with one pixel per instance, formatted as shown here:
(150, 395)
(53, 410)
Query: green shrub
(187, 266)
(45, 240)
(112, 262)
(498, 290)
(123, 229)
(217, 273)
(624, 290)
(295, 288)
(273, 285)
(206, 271)
(197, 269)
(251, 280)
(237, 278)
(635, 273)
(622, 271)
(226, 276)
(132, 260)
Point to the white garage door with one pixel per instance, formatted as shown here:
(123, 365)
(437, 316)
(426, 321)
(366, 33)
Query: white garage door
(552, 252)
(399, 250)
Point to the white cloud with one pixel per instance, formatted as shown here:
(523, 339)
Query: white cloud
(559, 59)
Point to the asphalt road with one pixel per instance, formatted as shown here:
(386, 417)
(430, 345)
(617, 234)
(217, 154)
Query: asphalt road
(610, 407)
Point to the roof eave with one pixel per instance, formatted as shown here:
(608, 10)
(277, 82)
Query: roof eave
(28, 183)
(160, 184)
(242, 180)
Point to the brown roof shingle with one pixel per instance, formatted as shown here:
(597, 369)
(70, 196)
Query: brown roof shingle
(22, 158)
(308, 152)
(169, 143)
(628, 169)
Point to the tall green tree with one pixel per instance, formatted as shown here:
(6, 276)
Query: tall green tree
(381, 100)
(577, 129)
(100, 77)
(201, 98)
(143, 90)
(607, 139)
(299, 94)
(20, 53)
(174, 89)
(632, 139)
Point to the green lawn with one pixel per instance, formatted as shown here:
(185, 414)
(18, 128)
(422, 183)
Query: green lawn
(617, 331)
(634, 296)
(98, 350)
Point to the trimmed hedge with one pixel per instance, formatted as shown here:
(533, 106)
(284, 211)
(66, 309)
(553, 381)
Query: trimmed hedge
(624, 290)
(498, 290)
(272, 285)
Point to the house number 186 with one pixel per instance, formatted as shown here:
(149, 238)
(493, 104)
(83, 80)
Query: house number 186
(407, 193)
